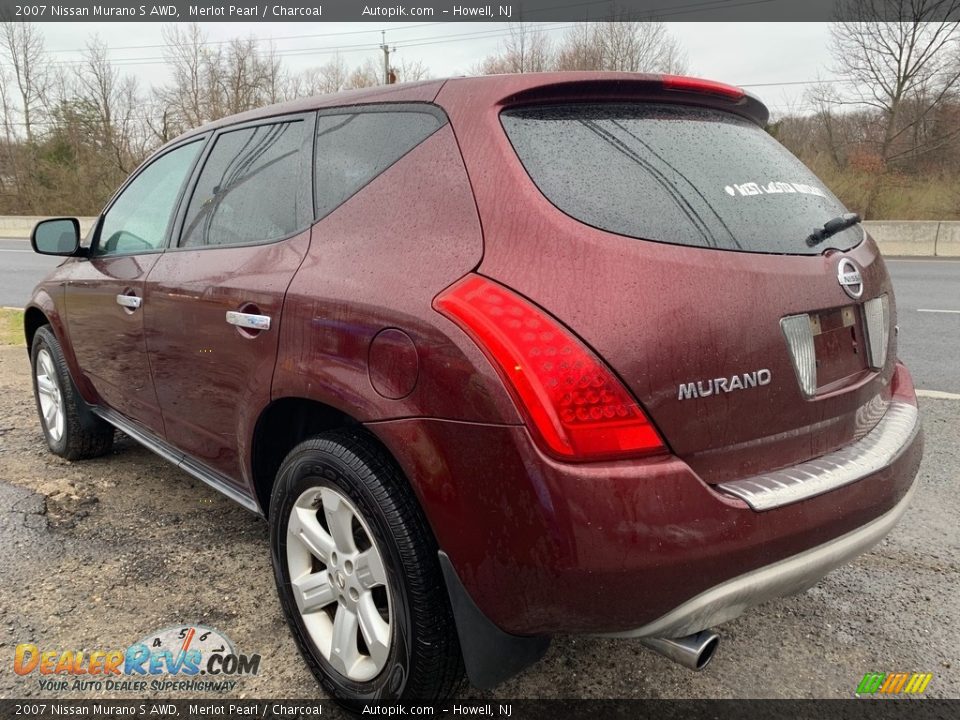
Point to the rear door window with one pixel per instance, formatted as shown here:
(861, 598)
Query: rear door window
(254, 187)
(674, 174)
(355, 145)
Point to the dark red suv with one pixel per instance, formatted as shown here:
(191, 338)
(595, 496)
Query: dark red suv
(498, 358)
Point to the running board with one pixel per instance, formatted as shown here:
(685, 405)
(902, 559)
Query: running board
(202, 473)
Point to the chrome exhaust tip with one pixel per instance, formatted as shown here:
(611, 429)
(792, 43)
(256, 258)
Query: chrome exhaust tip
(693, 651)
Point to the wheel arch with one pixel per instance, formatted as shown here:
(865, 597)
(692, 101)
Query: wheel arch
(280, 427)
(43, 310)
(33, 319)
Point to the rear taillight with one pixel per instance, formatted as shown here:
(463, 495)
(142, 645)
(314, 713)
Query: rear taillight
(682, 83)
(573, 403)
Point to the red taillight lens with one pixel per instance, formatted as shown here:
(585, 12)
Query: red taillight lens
(573, 402)
(697, 85)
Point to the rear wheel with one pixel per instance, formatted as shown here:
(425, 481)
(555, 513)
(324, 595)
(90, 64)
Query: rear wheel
(358, 576)
(71, 429)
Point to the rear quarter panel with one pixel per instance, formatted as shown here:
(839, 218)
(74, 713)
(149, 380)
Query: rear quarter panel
(377, 262)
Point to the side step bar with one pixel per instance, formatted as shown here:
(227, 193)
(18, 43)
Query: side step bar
(215, 480)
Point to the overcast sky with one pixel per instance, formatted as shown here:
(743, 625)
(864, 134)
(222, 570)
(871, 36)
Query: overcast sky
(738, 53)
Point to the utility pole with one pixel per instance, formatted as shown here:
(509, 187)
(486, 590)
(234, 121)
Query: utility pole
(388, 77)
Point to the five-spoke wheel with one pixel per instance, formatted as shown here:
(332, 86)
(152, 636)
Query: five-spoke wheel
(69, 425)
(358, 574)
(49, 395)
(339, 582)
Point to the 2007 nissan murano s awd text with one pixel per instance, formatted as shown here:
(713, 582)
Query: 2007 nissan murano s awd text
(499, 358)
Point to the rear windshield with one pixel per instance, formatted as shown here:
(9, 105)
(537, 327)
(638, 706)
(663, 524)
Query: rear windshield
(680, 175)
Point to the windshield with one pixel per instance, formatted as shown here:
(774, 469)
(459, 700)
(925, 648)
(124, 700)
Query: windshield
(680, 175)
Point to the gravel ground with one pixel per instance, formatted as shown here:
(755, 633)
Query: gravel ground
(98, 553)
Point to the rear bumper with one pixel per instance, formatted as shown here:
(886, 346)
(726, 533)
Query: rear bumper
(631, 548)
(880, 447)
(786, 577)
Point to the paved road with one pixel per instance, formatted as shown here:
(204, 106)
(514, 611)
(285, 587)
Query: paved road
(929, 341)
(112, 548)
(20, 270)
(96, 554)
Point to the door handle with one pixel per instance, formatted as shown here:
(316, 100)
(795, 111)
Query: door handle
(248, 320)
(131, 302)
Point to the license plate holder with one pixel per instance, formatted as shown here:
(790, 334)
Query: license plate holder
(839, 344)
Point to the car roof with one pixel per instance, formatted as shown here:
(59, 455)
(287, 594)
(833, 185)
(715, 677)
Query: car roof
(504, 86)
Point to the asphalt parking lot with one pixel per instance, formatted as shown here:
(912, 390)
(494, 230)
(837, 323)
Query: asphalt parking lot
(98, 554)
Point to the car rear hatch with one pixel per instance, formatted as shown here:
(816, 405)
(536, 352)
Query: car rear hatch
(669, 232)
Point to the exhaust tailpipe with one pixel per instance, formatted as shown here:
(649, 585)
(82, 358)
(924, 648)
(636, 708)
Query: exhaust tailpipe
(693, 651)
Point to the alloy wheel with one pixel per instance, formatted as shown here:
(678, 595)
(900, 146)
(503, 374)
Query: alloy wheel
(340, 583)
(51, 397)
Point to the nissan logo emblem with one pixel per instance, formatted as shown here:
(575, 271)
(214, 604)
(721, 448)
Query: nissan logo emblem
(848, 275)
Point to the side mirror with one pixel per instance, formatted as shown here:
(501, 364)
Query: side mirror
(57, 236)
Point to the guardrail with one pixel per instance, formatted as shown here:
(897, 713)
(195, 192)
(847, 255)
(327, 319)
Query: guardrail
(19, 226)
(925, 238)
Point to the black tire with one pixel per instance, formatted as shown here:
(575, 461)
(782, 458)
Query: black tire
(424, 661)
(84, 435)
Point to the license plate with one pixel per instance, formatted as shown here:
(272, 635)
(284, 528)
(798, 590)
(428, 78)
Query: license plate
(839, 344)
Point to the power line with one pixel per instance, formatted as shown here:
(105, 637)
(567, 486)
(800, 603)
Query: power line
(227, 42)
(793, 82)
(344, 49)
(657, 13)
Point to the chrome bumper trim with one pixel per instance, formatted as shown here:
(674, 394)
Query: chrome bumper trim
(873, 452)
(787, 577)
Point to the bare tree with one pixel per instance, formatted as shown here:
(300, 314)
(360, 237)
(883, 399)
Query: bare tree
(24, 46)
(210, 82)
(69, 138)
(526, 49)
(366, 75)
(903, 70)
(8, 180)
(115, 100)
(411, 71)
(328, 78)
(183, 101)
(619, 45)
(241, 77)
(6, 107)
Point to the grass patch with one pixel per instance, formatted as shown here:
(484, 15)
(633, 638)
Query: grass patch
(11, 327)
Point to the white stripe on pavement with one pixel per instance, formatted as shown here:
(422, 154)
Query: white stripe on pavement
(956, 312)
(938, 394)
(938, 258)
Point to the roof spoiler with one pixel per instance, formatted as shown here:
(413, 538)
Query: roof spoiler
(639, 87)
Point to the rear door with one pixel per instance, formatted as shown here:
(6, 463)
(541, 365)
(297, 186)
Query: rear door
(215, 297)
(104, 296)
(674, 242)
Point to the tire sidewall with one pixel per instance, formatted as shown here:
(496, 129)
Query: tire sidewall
(317, 467)
(46, 340)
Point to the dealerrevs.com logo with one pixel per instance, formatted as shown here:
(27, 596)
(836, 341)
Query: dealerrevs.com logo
(184, 658)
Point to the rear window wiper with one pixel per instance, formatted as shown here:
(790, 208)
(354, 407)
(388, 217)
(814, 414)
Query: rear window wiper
(832, 227)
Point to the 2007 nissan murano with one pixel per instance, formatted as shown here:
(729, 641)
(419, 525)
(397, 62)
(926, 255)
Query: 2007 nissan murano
(499, 358)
